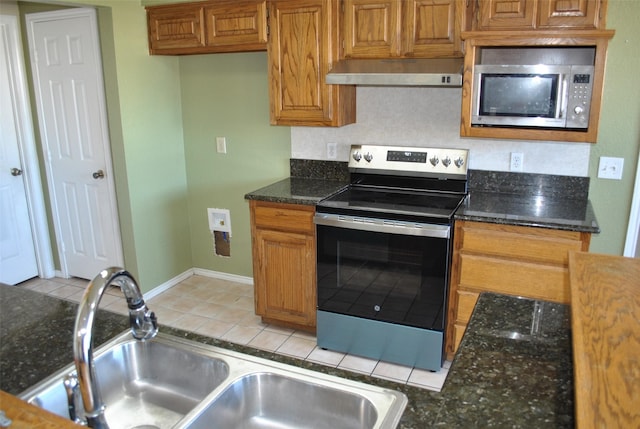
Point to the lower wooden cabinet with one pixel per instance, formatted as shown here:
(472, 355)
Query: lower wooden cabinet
(284, 263)
(513, 260)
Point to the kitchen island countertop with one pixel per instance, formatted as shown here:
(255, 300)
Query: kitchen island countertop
(506, 374)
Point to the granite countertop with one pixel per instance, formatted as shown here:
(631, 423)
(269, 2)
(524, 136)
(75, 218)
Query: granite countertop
(296, 190)
(540, 211)
(523, 199)
(504, 375)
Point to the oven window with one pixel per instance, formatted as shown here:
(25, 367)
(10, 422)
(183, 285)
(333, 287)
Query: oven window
(521, 95)
(386, 277)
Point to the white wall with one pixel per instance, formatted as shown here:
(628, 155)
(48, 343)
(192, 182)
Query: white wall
(430, 117)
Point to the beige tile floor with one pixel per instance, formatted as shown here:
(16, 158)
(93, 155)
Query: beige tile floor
(224, 309)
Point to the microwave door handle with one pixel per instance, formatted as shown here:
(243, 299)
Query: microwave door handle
(563, 97)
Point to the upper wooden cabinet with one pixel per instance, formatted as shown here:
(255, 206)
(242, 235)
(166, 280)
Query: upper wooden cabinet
(303, 45)
(539, 14)
(207, 27)
(403, 28)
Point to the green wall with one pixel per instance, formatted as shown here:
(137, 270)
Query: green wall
(226, 95)
(619, 134)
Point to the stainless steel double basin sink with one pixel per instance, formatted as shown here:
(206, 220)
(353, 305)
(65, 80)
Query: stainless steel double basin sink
(169, 382)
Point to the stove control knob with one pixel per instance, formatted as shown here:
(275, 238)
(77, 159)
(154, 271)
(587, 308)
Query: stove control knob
(446, 162)
(459, 162)
(357, 156)
(368, 157)
(434, 160)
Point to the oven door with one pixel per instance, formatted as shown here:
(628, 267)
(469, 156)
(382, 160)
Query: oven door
(383, 270)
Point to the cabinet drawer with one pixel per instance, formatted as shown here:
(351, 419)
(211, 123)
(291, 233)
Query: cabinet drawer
(466, 303)
(284, 217)
(517, 278)
(530, 244)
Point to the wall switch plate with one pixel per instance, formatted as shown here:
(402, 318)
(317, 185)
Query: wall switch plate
(517, 159)
(221, 144)
(610, 168)
(332, 150)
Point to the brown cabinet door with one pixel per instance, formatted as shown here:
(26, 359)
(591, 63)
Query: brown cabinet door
(506, 14)
(236, 26)
(372, 28)
(285, 287)
(302, 47)
(431, 28)
(175, 28)
(284, 263)
(571, 13)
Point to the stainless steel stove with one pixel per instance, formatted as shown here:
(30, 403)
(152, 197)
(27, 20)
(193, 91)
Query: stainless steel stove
(383, 254)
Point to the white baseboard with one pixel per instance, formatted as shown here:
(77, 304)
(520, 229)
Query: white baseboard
(168, 284)
(199, 272)
(223, 276)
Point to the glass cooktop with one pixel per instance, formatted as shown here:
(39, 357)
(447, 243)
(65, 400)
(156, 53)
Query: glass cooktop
(392, 201)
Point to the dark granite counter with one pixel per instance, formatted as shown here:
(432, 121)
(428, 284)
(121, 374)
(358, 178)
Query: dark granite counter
(540, 211)
(512, 369)
(295, 190)
(524, 199)
(538, 200)
(310, 182)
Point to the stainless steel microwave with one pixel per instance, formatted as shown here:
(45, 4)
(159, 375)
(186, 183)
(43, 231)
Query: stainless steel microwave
(532, 96)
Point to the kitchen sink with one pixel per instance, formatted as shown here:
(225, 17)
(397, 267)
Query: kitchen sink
(170, 382)
(275, 401)
(144, 383)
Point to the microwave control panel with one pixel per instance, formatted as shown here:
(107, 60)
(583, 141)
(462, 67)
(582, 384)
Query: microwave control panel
(579, 96)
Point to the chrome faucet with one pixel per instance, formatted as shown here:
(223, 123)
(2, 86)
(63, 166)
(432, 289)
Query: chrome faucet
(143, 326)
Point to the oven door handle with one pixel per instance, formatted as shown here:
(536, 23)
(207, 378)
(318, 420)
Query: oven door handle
(380, 225)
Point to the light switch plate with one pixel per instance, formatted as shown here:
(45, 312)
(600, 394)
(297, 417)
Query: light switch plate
(610, 168)
(221, 144)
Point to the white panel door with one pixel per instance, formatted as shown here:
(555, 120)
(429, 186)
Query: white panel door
(67, 72)
(17, 254)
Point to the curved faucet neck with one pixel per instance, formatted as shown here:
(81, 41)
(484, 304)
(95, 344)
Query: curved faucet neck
(143, 326)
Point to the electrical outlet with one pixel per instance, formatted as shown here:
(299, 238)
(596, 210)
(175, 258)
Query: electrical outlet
(610, 168)
(332, 150)
(221, 144)
(517, 159)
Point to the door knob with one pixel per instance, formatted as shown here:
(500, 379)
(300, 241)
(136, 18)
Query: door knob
(98, 174)
(16, 172)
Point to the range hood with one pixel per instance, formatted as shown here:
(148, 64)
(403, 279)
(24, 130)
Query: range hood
(398, 72)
